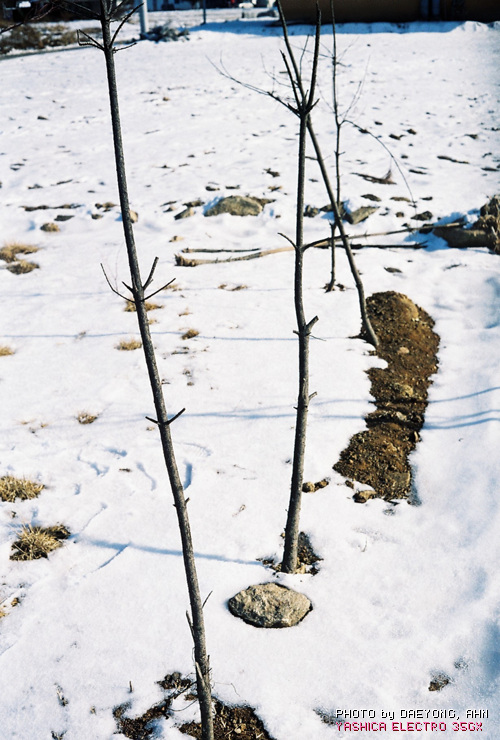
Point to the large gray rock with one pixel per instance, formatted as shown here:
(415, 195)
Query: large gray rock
(237, 205)
(360, 214)
(459, 238)
(270, 605)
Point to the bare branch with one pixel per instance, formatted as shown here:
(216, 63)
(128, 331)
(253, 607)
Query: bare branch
(181, 261)
(293, 83)
(125, 46)
(129, 288)
(151, 274)
(168, 422)
(113, 289)
(163, 287)
(309, 326)
(122, 23)
(82, 8)
(287, 238)
(314, 73)
(191, 250)
(387, 149)
(209, 595)
(190, 624)
(175, 417)
(89, 40)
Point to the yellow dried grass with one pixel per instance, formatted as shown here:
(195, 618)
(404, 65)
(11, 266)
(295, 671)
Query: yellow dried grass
(21, 267)
(34, 543)
(85, 418)
(190, 334)
(10, 251)
(21, 488)
(130, 306)
(128, 345)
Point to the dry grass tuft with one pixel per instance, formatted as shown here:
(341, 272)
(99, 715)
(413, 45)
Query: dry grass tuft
(130, 306)
(85, 418)
(128, 344)
(50, 227)
(190, 334)
(22, 488)
(5, 351)
(10, 251)
(22, 267)
(37, 542)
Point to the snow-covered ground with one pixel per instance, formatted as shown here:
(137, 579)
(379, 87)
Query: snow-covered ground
(399, 598)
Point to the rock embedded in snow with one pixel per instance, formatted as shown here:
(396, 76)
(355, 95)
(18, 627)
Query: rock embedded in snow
(270, 605)
(360, 214)
(237, 205)
(186, 213)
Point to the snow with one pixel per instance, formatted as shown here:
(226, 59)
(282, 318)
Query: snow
(398, 598)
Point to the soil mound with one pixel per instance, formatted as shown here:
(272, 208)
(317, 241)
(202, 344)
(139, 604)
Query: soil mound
(378, 457)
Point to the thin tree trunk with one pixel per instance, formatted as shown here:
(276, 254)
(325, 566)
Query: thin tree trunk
(331, 285)
(289, 564)
(370, 333)
(163, 422)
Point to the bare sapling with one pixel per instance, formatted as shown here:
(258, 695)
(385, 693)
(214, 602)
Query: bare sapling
(304, 103)
(138, 290)
(331, 283)
(298, 84)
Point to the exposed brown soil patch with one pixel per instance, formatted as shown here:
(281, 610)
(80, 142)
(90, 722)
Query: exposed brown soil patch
(230, 723)
(307, 559)
(378, 457)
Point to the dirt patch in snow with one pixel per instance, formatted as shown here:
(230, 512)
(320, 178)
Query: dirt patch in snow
(230, 723)
(378, 456)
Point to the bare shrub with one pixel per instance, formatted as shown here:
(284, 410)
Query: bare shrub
(29, 36)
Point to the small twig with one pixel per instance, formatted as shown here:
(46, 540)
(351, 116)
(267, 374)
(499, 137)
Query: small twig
(125, 46)
(391, 155)
(151, 274)
(190, 624)
(168, 422)
(90, 40)
(83, 8)
(163, 287)
(113, 289)
(209, 595)
(287, 238)
(128, 287)
(174, 417)
(122, 23)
